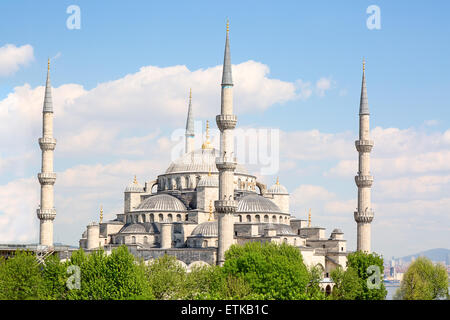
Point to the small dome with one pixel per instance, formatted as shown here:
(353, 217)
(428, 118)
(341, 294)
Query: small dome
(206, 229)
(254, 203)
(208, 181)
(283, 229)
(134, 187)
(133, 228)
(162, 202)
(337, 231)
(277, 188)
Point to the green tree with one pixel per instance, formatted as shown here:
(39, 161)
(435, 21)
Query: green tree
(313, 289)
(20, 277)
(212, 283)
(55, 277)
(360, 262)
(109, 277)
(423, 281)
(272, 271)
(347, 284)
(166, 278)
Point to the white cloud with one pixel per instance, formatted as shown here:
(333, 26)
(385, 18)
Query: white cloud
(12, 57)
(322, 85)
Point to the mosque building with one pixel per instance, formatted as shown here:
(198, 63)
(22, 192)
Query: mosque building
(206, 201)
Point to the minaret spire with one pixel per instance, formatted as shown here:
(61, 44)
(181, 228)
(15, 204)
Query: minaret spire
(364, 214)
(46, 211)
(227, 79)
(190, 134)
(226, 163)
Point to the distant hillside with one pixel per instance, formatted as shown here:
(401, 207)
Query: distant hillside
(438, 254)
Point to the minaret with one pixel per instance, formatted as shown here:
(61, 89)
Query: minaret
(46, 211)
(226, 163)
(190, 127)
(364, 180)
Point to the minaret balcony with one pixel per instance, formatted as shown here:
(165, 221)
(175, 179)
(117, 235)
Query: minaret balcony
(364, 145)
(226, 163)
(226, 121)
(47, 178)
(363, 181)
(46, 214)
(225, 206)
(365, 216)
(47, 143)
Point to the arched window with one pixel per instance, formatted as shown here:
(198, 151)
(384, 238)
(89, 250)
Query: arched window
(152, 217)
(266, 218)
(161, 217)
(169, 217)
(186, 218)
(133, 240)
(145, 240)
(281, 219)
(249, 218)
(285, 240)
(328, 290)
(205, 244)
(178, 217)
(240, 218)
(274, 219)
(143, 218)
(257, 218)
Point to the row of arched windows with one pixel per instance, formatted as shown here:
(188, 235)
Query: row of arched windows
(145, 217)
(257, 218)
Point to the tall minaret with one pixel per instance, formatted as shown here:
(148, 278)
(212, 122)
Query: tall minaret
(364, 180)
(226, 162)
(46, 211)
(190, 127)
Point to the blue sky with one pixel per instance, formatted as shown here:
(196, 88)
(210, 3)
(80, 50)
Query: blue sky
(407, 69)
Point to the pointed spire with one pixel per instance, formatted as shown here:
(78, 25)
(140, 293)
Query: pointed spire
(278, 181)
(135, 180)
(364, 103)
(226, 73)
(48, 104)
(190, 118)
(101, 214)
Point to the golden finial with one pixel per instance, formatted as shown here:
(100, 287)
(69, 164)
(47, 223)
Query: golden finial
(364, 64)
(207, 143)
(309, 219)
(209, 173)
(190, 94)
(48, 64)
(101, 214)
(210, 210)
(228, 25)
(135, 180)
(278, 181)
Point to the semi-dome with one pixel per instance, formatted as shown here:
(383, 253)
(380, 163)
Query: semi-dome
(162, 202)
(209, 181)
(254, 203)
(133, 228)
(200, 160)
(206, 229)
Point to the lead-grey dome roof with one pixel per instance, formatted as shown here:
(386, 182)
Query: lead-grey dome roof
(134, 187)
(200, 160)
(162, 202)
(209, 181)
(133, 228)
(254, 203)
(278, 189)
(337, 231)
(206, 229)
(282, 229)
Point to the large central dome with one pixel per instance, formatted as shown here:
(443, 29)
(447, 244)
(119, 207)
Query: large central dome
(200, 160)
